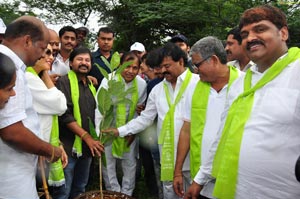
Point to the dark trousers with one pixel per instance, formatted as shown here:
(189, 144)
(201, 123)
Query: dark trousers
(147, 163)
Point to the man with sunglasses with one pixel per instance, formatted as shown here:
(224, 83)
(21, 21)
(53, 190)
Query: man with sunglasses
(204, 104)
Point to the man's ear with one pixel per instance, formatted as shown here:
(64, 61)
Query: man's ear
(284, 33)
(27, 40)
(181, 62)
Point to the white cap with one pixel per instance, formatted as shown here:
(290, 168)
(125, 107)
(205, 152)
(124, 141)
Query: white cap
(138, 47)
(2, 27)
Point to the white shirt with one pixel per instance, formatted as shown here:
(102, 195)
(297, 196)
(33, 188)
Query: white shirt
(236, 64)
(60, 66)
(157, 105)
(215, 107)
(46, 102)
(271, 141)
(17, 168)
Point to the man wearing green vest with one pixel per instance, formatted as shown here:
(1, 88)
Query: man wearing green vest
(258, 145)
(204, 105)
(165, 102)
(74, 130)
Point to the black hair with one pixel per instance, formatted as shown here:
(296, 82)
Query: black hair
(128, 56)
(79, 50)
(106, 30)
(67, 29)
(236, 34)
(152, 58)
(173, 51)
(7, 70)
(22, 27)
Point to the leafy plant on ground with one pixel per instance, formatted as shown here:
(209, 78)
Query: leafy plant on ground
(108, 98)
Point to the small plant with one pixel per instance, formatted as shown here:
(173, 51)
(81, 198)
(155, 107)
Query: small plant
(108, 98)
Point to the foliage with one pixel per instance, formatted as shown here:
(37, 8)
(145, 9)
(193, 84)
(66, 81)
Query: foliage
(114, 94)
(9, 10)
(152, 21)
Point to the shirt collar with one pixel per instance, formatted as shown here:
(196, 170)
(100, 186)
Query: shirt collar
(180, 78)
(14, 57)
(254, 67)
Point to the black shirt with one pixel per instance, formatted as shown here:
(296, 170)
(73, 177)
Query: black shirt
(95, 72)
(87, 106)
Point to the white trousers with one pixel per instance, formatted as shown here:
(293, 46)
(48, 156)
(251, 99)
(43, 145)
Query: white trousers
(128, 163)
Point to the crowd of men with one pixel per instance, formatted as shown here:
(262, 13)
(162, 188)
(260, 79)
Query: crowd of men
(205, 121)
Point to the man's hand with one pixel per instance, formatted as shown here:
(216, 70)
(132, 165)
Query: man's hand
(93, 80)
(194, 191)
(113, 131)
(140, 108)
(129, 139)
(178, 184)
(95, 146)
(64, 157)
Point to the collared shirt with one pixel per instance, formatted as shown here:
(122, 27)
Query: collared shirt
(271, 141)
(18, 168)
(236, 64)
(95, 72)
(60, 66)
(215, 108)
(87, 106)
(157, 105)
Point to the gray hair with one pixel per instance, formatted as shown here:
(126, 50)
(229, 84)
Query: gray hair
(209, 46)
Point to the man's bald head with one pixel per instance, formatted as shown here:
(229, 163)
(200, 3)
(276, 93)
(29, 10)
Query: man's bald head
(54, 41)
(28, 37)
(27, 25)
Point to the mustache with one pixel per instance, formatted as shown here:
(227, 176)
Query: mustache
(166, 73)
(252, 43)
(69, 44)
(83, 65)
(228, 52)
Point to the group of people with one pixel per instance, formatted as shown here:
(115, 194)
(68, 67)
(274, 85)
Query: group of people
(206, 121)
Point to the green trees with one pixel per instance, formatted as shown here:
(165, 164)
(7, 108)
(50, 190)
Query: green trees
(152, 21)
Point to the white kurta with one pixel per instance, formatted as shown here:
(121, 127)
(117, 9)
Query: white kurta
(215, 107)
(271, 141)
(18, 169)
(157, 105)
(46, 102)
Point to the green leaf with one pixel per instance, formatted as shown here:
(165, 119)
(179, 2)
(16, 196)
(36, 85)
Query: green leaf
(123, 66)
(124, 101)
(107, 121)
(92, 129)
(103, 71)
(104, 101)
(106, 63)
(115, 61)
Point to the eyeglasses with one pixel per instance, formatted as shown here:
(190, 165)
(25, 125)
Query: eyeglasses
(201, 62)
